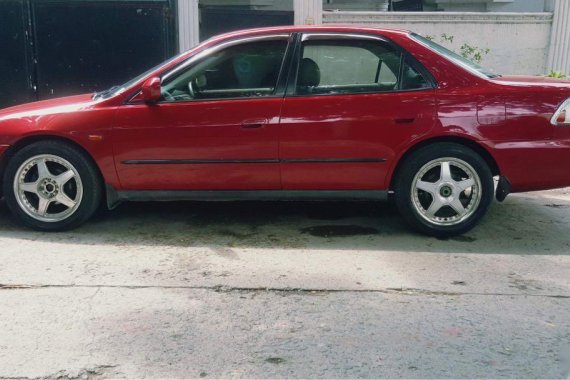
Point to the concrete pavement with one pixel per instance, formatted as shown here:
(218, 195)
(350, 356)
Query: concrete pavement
(287, 290)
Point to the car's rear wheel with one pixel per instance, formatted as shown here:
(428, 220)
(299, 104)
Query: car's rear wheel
(51, 186)
(444, 189)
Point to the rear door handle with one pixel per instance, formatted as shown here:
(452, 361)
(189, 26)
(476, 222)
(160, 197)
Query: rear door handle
(253, 124)
(404, 120)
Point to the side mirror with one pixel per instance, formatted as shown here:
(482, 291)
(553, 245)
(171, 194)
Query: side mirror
(151, 90)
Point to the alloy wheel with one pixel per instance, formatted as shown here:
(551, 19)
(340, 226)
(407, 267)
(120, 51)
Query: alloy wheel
(48, 188)
(446, 191)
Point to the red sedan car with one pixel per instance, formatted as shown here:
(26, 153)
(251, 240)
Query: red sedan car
(293, 113)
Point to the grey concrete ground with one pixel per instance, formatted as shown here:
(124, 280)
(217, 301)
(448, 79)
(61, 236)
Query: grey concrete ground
(287, 290)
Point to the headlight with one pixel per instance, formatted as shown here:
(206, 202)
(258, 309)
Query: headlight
(562, 115)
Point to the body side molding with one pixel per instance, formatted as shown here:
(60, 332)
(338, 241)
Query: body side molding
(250, 161)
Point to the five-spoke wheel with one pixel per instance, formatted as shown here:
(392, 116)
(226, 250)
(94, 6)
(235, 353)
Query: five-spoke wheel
(48, 188)
(444, 189)
(51, 185)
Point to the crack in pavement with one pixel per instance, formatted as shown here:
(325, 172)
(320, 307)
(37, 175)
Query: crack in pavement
(94, 373)
(234, 289)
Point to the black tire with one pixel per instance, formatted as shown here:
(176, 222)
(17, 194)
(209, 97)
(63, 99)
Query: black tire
(86, 169)
(414, 163)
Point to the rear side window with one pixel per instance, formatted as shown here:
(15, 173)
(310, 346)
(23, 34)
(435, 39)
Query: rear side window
(246, 70)
(412, 79)
(354, 66)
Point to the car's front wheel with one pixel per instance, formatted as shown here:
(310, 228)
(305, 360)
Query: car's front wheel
(51, 186)
(444, 189)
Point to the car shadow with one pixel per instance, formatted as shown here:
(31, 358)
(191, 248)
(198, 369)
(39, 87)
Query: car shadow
(524, 224)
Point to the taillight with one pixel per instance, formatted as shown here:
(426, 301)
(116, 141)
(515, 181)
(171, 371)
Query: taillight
(562, 115)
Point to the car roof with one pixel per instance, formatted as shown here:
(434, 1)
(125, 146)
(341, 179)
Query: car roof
(311, 28)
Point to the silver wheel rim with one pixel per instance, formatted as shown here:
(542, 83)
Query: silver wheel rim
(446, 191)
(48, 188)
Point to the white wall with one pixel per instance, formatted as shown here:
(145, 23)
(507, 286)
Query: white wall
(308, 12)
(559, 59)
(488, 5)
(188, 24)
(518, 42)
(517, 6)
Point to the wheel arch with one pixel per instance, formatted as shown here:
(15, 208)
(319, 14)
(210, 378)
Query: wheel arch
(31, 139)
(475, 146)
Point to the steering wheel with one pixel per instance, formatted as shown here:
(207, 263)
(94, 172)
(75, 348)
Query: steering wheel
(168, 96)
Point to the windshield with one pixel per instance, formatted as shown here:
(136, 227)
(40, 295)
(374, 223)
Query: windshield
(456, 58)
(116, 89)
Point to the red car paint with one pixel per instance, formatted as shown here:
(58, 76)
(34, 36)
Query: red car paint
(506, 117)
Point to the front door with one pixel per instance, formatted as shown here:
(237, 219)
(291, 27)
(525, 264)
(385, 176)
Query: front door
(216, 127)
(354, 102)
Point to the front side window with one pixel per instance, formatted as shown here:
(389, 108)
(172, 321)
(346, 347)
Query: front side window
(354, 66)
(246, 70)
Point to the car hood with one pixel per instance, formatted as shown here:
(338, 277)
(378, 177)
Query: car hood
(532, 81)
(47, 107)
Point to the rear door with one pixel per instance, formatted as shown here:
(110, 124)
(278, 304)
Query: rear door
(354, 100)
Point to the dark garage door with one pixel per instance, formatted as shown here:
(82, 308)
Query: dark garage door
(15, 66)
(217, 19)
(82, 46)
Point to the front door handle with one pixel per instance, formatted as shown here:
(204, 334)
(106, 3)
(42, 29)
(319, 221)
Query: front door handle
(253, 124)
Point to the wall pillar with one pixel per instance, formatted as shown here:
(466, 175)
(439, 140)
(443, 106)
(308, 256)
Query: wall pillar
(308, 12)
(188, 24)
(558, 57)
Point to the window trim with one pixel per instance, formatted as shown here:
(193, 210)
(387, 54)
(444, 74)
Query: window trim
(405, 57)
(484, 73)
(279, 90)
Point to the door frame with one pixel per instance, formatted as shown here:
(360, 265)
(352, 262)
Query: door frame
(282, 80)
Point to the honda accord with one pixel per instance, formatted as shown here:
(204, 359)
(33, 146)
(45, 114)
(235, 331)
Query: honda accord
(294, 113)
